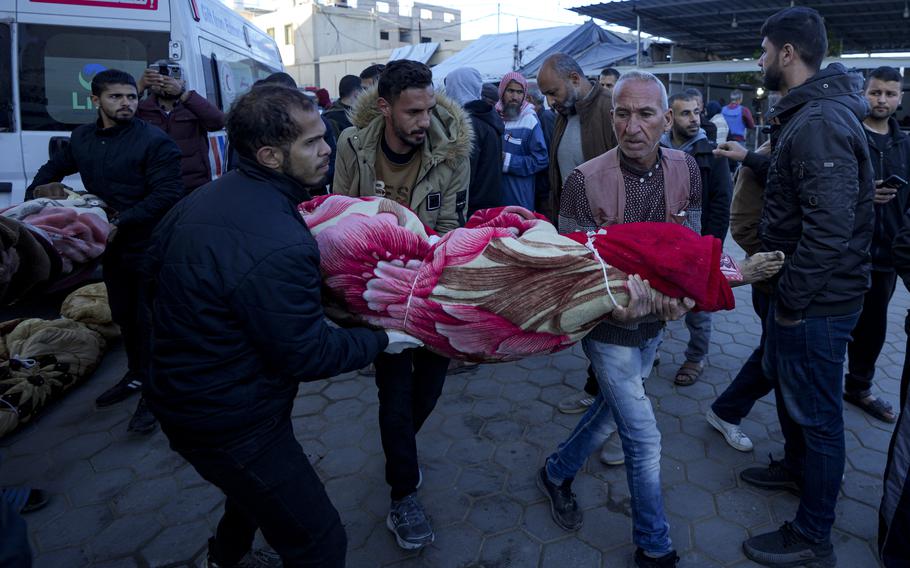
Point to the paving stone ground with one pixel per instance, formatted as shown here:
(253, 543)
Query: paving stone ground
(122, 501)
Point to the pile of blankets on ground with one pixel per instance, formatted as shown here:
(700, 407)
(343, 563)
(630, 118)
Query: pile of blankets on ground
(505, 286)
(41, 359)
(50, 242)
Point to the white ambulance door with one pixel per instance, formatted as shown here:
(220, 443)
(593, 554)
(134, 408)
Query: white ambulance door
(12, 172)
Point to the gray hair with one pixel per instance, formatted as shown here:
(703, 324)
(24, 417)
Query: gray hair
(642, 77)
(736, 95)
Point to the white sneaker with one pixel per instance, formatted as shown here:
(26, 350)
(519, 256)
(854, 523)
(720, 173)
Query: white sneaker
(611, 453)
(733, 434)
(576, 403)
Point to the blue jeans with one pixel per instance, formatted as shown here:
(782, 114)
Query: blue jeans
(807, 360)
(622, 397)
(699, 325)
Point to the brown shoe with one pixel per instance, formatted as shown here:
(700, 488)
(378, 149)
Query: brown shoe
(689, 373)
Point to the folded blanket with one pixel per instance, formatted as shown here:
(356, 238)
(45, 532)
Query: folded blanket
(504, 287)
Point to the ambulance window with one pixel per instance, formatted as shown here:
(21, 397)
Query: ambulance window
(210, 72)
(235, 72)
(6, 83)
(57, 64)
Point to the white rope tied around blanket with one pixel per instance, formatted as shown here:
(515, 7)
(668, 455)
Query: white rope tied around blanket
(603, 265)
(432, 239)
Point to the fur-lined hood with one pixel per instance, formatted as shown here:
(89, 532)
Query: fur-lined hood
(449, 137)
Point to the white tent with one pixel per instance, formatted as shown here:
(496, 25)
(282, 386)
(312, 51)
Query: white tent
(494, 54)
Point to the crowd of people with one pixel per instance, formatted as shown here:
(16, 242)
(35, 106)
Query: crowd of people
(216, 284)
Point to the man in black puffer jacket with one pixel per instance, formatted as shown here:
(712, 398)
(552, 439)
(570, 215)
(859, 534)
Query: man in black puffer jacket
(238, 324)
(135, 168)
(890, 152)
(818, 210)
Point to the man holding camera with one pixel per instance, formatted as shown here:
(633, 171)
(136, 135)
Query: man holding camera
(890, 152)
(184, 115)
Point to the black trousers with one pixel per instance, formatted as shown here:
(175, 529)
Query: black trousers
(122, 272)
(750, 384)
(270, 485)
(409, 384)
(869, 335)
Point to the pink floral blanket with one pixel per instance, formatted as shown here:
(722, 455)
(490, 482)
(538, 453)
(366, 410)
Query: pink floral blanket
(505, 287)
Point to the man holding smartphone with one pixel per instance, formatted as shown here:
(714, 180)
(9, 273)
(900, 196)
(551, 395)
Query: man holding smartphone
(890, 152)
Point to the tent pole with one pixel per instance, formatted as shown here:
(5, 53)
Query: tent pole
(638, 46)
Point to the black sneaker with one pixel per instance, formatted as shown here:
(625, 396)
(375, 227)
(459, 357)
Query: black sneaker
(129, 385)
(143, 421)
(563, 505)
(668, 560)
(775, 476)
(786, 547)
(409, 522)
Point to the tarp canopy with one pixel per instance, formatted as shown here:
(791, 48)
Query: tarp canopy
(421, 52)
(590, 45)
(494, 54)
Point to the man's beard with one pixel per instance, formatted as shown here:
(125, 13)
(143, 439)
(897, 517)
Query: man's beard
(408, 137)
(772, 78)
(288, 170)
(684, 134)
(880, 114)
(118, 119)
(511, 110)
(568, 107)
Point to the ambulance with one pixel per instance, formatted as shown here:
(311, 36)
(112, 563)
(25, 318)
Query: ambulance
(51, 49)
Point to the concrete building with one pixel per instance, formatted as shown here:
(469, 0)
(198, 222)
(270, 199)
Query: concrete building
(308, 31)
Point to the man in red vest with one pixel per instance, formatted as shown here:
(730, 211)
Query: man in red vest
(637, 181)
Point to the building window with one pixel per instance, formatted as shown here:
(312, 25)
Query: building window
(426, 14)
(425, 39)
(271, 32)
(383, 7)
(448, 17)
(404, 35)
(288, 35)
(383, 35)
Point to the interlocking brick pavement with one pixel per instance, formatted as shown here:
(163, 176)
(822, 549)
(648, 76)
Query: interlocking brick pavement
(121, 500)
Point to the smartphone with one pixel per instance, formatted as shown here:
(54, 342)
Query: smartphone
(163, 70)
(894, 182)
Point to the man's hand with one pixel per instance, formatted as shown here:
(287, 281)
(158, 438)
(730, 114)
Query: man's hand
(732, 151)
(149, 78)
(883, 194)
(53, 190)
(171, 86)
(671, 309)
(641, 302)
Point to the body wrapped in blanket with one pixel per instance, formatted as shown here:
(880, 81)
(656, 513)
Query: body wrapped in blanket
(507, 285)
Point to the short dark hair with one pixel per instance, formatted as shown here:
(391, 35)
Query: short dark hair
(348, 85)
(609, 71)
(564, 65)
(403, 74)
(280, 78)
(693, 92)
(802, 28)
(683, 96)
(885, 73)
(102, 80)
(372, 72)
(265, 117)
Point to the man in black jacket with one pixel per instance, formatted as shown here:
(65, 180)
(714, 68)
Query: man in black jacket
(238, 324)
(135, 168)
(464, 86)
(818, 211)
(348, 90)
(687, 135)
(890, 151)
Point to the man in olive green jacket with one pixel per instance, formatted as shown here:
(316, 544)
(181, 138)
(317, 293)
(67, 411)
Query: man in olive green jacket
(412, 146)
(409, 121)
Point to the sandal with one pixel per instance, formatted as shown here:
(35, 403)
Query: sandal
(689, 373)
(24, 499)
(876, 407)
